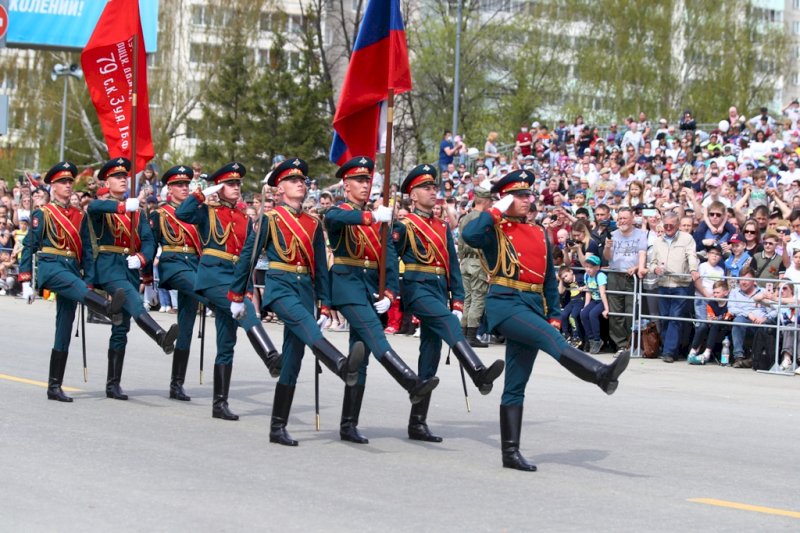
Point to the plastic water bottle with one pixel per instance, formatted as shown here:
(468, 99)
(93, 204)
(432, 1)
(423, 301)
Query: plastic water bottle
(725, 358)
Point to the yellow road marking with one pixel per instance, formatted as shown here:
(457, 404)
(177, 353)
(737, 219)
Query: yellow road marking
(746, 507)
(34, 382)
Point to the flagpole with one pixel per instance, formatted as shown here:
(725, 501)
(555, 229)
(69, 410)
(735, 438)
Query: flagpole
(133, 131)
(387, 174)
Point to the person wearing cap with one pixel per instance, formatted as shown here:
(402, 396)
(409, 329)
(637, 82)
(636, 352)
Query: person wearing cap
(223, 230)
(177, 267)
(523, 305)
(120, 257)
(297, 277)
(354, 237)
(59, 241)
(472, 275)
(433, 292)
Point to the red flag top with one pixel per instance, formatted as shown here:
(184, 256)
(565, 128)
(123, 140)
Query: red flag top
(107, 62)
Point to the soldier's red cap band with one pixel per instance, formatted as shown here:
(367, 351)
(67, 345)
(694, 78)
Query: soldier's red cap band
(422, 179)
(64, 174)
(515, 186)
(289, 172)
(178, 178)
(356, 171)
(228, 176)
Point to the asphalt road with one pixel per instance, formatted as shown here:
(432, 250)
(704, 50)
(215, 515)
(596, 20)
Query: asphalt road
(630, 462)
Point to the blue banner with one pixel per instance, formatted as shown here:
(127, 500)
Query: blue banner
(67, 24)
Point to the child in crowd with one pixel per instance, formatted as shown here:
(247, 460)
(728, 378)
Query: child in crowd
(596, 302)
(793, 272)
(571, 306)
(710, 272)
(739, 256)
(710, 334)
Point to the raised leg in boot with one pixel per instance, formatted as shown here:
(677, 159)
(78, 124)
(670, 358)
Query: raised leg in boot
(58, 363)
(115, 360)
(222, 385)
(265, 349)
(590, 369)
(344, 367)
(510, 429)
(165, 339)
(110, 309)
(351, 408)
(284, 394)
(417, 422)
(482, 377)
(417, 388)
(180, 360)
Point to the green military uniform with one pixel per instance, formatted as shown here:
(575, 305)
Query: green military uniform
(111, 228)
(177, 270)
(356, 245)
(59, 238)
(296, 279)
(223, 230)
(433, 292)
(523, 306)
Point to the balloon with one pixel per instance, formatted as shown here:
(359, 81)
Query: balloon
(724, 126)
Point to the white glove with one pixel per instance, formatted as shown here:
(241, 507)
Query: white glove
(131, 205)
(382, 214)
(27, 292)
(458, 314)
(238, 310)
(504, 203)
(134, 263)
(486, 185)
(382, 305)
(208, 191)
(322, 322)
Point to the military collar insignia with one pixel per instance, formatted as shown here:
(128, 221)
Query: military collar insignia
(423, 214)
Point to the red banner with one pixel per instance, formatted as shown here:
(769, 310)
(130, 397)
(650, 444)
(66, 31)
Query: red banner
(108, 66)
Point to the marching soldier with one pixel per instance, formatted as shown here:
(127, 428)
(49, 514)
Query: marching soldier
(120, 256)
(297, 271)
(433, 292)
(223, 230)
(177, 269)
(353, 233)
(472, 273)
(523, 305)
(58, 238)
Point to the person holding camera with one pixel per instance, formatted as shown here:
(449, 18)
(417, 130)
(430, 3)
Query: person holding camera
(626, 253)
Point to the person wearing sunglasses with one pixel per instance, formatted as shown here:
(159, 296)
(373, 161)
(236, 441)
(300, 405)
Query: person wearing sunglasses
(768, 263)
(714, 229)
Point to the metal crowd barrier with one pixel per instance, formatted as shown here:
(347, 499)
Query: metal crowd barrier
(638, 316)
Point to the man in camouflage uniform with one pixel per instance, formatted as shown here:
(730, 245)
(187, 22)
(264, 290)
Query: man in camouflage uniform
(472, 274)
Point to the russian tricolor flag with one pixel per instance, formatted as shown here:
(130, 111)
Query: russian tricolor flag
(379, 61)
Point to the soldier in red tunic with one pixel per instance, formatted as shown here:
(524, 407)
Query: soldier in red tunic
(523, 305)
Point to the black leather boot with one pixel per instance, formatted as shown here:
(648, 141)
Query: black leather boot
(109, 309)
(266, 350)
(284, 394)
(58, 363)
(417, 422)
(351, 408)
(417, 388)
(482, 377)
(472, 338)
(222, 384)
(165, 339)
(344, 367)
(590, 369)
(510, 428)
(115, 360)
(180, 360)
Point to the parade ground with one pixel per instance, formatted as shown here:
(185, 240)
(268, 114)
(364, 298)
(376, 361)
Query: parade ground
(677, 448)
